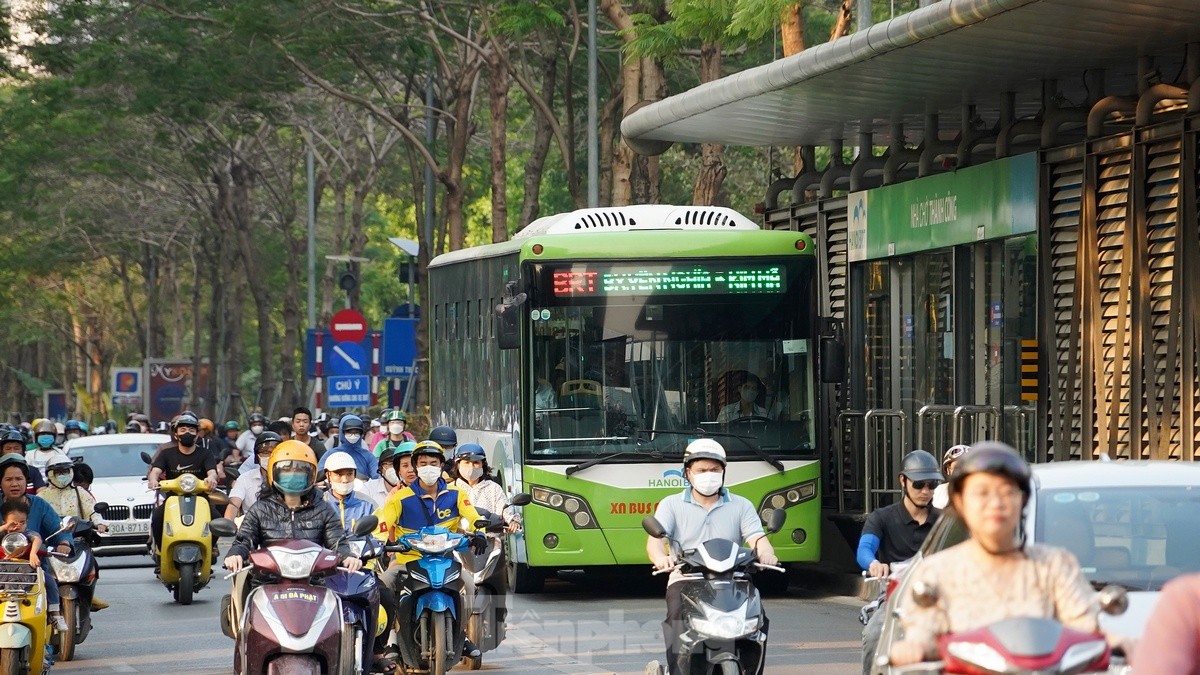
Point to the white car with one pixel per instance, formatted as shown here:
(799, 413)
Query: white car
(121, 482)
(1130, 523)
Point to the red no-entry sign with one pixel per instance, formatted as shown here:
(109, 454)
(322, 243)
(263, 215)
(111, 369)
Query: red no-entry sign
(348, 325)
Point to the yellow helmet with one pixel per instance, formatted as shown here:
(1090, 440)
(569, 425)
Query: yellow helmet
(286, 458)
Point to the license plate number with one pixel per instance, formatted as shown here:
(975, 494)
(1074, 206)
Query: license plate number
(129, 527)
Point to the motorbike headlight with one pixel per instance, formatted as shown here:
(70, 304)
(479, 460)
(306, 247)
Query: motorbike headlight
(187, 482)
(12, 544)
(1081, 654)
(297, 565)
(979, 655)
(724, 625)
(64, 571)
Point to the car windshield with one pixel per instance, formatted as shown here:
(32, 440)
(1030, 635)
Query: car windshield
(642, 372)
(1137, 537)
(116, 461)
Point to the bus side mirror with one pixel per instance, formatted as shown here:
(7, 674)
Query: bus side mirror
(832, 352)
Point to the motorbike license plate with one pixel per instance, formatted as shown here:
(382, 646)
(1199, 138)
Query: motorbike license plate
(129, 527)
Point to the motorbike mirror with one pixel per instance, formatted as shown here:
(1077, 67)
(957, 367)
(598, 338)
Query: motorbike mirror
(100, 507)
(147, 458)
(654, 528)
(774, 520)
(222, 527)
(1114, 600)
(925, 595)
(232, 472)
(365, 525)
(521, 499)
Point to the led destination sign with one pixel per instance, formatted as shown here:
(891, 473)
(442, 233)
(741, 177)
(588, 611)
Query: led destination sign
(701, 279)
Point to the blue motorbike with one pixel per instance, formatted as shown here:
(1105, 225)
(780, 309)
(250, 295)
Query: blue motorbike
(430, 606)
(359, 592)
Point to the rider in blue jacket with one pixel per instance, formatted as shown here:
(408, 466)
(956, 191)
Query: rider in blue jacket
(350, 432)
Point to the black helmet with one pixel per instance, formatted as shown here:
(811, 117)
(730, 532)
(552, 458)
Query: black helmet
(18, 460)
(992, 457)
(351, 422)
(257, 417)
(133, 427)
(185, 418)
(264, 438)
(920, 465)
(444, 436)
(13, 436)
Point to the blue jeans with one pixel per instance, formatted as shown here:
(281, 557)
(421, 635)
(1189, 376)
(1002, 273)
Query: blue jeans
(52, 597)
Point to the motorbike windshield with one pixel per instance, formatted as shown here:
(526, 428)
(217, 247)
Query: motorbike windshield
(650, 356)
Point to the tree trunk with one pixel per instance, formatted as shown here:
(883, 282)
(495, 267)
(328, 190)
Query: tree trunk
(631, 74)
(498, 85)
(217, 366)
(458, 137)
(535, 166)
(842, 24)
(707, 191)
(792, 29)
(197, 402)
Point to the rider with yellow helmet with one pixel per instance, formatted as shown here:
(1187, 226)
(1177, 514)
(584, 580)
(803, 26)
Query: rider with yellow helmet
(291, 508)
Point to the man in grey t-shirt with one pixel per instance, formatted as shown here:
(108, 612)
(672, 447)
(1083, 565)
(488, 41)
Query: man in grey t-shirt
(706, 510)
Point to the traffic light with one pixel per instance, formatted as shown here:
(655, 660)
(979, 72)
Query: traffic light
(348, 280)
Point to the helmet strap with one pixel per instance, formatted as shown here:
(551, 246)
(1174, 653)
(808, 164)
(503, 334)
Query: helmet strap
(904, 483)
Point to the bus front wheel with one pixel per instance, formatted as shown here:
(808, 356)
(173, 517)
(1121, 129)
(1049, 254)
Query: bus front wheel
(524, 579)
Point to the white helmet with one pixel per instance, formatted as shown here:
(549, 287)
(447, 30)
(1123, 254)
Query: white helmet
(60, 461)
(339, 461)
(704, 448)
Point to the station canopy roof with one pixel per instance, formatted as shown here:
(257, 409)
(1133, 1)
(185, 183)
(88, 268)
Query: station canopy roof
(932, 60)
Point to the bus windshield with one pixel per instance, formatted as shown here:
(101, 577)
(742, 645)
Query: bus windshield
(641, 358)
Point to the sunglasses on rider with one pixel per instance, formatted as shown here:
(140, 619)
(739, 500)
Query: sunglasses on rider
(925, 484)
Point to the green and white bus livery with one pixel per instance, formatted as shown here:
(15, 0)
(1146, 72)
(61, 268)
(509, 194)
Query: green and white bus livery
(585, 354)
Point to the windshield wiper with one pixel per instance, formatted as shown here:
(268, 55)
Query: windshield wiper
(745, 441)
(576, 468)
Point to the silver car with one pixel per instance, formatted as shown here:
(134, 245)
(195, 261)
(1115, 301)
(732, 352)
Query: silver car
(121, 482)
(1128, 523)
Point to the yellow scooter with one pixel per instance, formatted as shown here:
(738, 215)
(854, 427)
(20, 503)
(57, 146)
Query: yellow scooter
(24, 631)
(185, 555)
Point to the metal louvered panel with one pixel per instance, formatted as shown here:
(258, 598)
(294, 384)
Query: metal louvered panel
(1114, 272)
(836, 271)
(1161, 346)
(1065, 439)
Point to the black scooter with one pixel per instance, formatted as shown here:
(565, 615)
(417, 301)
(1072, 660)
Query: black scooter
(723, 617)
(76, 574)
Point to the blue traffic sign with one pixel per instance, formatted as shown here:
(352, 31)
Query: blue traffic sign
(350, 392)
(327, 343)
(347, 358)
(399, 351)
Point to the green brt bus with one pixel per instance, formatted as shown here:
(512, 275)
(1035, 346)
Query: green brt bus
(585, 354)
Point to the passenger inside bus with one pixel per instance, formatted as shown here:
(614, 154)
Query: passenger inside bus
(742, 390)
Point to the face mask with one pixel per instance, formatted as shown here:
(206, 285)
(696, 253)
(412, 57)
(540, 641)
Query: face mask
(45, 440)
(748, 395)
(71, 437)
(341, 489)
(187, 440)
(707, 484)
(256, 430)
(61, 480)
(396, 428)
(389, 475)
(353, 438)
(429, 475)
(292, 483)
(471, 472)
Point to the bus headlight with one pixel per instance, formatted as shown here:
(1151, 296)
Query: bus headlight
(786, 498)
(574, 507)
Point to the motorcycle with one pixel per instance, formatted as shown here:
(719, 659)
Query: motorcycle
(722, 616)
(185, 555)
(75, 573)
(1018, 645)
(359, 592)
(430, 607)
(288, 622)
(24, 630)
(484, 605)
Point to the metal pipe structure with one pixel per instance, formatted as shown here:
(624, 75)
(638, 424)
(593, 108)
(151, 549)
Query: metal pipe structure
(866, 161)
(593, 138)
(837, 168)
(933, 146)
(810, 176)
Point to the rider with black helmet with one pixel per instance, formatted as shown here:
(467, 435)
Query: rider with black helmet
(12, 442)
(993, 575)
(895, 532)
(254, 473)
(445, 437)
(175, 459)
